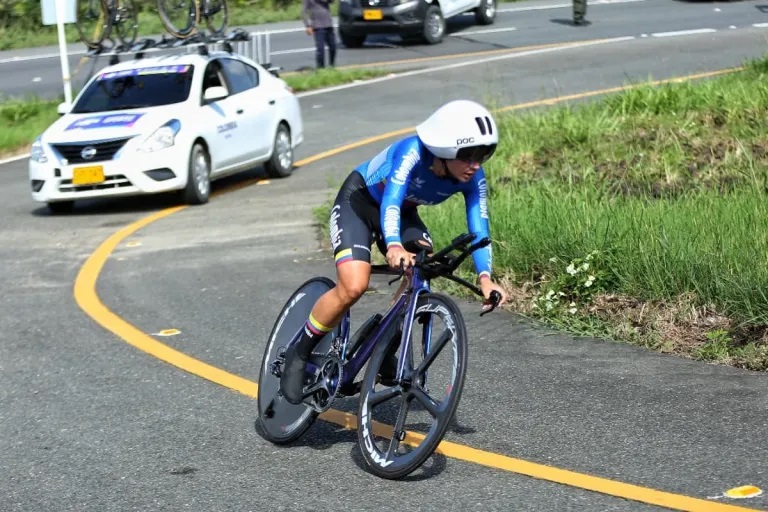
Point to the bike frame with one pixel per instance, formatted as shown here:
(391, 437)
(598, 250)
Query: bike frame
(405, 302)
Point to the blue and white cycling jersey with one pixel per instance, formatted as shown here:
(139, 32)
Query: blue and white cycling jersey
(399, 177)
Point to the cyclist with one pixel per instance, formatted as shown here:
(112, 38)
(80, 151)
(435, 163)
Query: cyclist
(378, 202)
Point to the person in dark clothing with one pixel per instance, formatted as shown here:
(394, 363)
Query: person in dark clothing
(579, 11)
(318, 22)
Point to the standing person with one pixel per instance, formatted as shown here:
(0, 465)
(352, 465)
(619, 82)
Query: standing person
(318, 22)
(378, 203)
(579, 11)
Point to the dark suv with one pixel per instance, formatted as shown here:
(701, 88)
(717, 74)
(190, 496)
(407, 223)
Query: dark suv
(412, 19)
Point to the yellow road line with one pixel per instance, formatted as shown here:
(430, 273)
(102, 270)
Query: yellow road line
(89, 301)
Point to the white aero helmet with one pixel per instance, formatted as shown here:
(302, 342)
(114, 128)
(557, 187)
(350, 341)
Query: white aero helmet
(462, 130)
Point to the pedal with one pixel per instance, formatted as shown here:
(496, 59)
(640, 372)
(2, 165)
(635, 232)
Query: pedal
(276, 369)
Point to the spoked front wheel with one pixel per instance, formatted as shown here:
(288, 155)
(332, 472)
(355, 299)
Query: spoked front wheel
(399, 427)
(282, 422)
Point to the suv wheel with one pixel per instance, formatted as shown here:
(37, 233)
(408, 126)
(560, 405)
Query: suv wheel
(434, 25)
(351, 41)
(485, 13)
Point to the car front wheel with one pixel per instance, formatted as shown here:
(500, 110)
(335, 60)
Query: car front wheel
(486, 12)
(198, 188)
(351, 41)
(280, 164)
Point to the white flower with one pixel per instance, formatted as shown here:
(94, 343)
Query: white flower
(590, 280)
(585, 267)
(571, 269)
(549, 306)
(572, 311)
(550, 294)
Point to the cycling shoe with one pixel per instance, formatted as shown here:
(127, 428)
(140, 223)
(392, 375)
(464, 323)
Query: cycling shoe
(292, 378)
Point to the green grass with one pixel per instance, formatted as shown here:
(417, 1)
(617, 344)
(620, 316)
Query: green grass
(329, 77)
(23, 121)
(640, 217)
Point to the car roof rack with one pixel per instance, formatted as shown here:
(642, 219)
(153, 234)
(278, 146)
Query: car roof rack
(199, 41)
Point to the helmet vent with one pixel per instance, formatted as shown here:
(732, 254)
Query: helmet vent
(490, 126)
(480, 125)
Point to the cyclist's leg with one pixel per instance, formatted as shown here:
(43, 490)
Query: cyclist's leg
(415, 237)
(351, 239)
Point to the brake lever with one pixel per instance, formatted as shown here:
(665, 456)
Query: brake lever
(401, 274)
(495, 299)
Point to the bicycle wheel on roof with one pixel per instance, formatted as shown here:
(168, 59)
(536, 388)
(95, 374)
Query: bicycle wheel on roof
(179, 17)
(216, 14)
(127, 21)
(92, 22)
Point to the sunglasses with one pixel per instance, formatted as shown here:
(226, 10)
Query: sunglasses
(479, 154)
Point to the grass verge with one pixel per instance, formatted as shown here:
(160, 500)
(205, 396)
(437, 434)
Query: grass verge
(26, 119)
(639, 218)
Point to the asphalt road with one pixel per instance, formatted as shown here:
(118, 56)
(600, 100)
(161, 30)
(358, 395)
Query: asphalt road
(37, 71)
(90, 422)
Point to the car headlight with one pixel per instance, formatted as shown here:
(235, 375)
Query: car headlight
(163, 137)
(37, 153)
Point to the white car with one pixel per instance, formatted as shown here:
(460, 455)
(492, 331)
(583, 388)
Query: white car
(173, 122)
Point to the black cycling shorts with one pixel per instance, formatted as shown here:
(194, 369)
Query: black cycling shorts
(356, 224)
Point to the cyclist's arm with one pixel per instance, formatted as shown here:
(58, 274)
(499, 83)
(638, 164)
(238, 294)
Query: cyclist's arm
(403, 162)
(476, 201)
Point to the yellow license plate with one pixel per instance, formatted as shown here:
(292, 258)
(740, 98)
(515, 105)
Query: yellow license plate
(372, 14)
(88, 175)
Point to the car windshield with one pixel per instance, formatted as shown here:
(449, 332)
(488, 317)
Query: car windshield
(136, 88)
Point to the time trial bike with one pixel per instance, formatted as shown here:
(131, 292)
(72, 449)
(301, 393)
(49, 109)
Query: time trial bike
(432, 364)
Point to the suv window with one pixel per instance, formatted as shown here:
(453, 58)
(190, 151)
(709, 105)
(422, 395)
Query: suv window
(136, 88)
(240, 75)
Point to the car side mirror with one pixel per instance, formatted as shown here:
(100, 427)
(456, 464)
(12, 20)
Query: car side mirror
(214, 93)
(64, 108)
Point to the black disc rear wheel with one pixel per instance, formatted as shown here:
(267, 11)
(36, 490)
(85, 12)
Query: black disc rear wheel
(422, 405)
(280, 421)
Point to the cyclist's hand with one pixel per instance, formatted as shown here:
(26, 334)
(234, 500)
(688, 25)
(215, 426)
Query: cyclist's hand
(309, 31)
(396, 253)
(487, 286)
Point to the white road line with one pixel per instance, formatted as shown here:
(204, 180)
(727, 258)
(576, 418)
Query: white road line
(468, 63)
(485, 31)
(37, 57)
(684, 32)
(13, 159)
(295, 50)
(760, 25)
